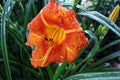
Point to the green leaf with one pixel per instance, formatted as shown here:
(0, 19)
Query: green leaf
(15, 62)
(50, 73)
(111, 56)
(59, 70)
(103, 20)
(104, 69)
(109, 45)
(96, 76)
(81, 7)
(3, 40)
(27, 14)
(65, 4)
(28, 10)
(18, 39)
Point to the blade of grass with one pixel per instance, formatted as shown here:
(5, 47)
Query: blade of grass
(49, 72)
(34, 8)
(13, 26)
(59, 70)
(27, 16)
(3, 40)
(81, 7)
(21, 5)
(109, 45)
(75, 4)
(18, 39)
(111, 56)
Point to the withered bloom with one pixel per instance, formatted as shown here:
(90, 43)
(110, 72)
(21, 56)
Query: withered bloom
(56, 35)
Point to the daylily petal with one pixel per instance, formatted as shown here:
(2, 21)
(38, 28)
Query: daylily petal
(58, 54)
(38, 54)
(70, 21)
(61, 16)
(33, 39)
(53, 10)
(74, 43)
(36, 25)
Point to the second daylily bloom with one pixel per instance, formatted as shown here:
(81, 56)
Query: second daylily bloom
(56, 35)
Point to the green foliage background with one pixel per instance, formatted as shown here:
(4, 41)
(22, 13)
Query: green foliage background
(96, 61)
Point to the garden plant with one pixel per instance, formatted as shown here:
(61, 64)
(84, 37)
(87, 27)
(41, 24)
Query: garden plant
(60, 40)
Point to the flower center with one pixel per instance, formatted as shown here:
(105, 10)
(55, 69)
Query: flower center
(54, 34)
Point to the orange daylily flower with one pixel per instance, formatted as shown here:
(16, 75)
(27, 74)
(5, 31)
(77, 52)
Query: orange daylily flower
(56, 35)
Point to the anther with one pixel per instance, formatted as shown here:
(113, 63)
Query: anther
(46, 39)
(50, 39)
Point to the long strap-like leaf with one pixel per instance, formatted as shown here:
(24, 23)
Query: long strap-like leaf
(96, 76)
(102, 19)
(3, 40)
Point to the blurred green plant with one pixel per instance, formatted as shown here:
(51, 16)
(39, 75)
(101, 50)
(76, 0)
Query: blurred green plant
(93, 62)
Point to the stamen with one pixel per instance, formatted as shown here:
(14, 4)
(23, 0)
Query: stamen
(55, 38)
(63, 35)
(59, 36)
(50, 39)
(55, 31)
